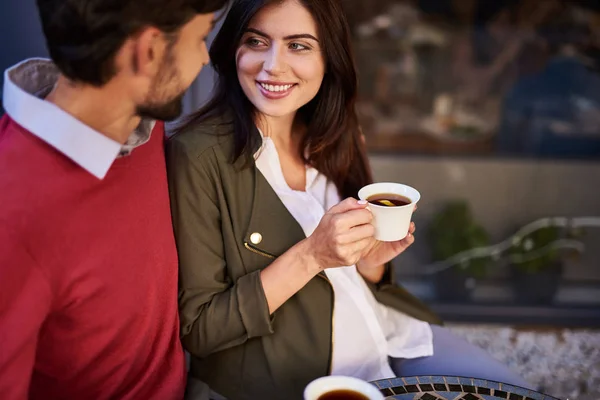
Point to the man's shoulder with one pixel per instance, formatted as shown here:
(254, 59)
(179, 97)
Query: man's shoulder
(32, 173)
(17, 155)
(8, 128)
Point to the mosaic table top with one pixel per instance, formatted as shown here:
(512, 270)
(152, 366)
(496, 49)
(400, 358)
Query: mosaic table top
(453, 388)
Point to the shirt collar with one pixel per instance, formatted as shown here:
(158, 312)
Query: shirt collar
(267, 161)
(25, 86)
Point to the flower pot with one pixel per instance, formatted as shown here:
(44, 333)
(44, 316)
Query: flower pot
(454, 285)
(536, 288)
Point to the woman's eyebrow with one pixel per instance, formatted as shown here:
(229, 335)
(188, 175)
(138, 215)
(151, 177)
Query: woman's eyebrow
(289, 37)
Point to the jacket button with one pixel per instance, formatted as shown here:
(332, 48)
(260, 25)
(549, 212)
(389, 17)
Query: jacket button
(256, 238)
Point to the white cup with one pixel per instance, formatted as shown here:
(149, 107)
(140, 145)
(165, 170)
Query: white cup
(326, 384)
(391, 223)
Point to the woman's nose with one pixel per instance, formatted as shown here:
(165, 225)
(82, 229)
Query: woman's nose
(274, 62)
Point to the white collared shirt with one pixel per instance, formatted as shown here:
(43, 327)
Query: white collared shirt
(25, 86)
(365, 332)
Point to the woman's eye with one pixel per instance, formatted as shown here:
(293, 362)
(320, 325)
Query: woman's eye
(298, 47)
(253, 42)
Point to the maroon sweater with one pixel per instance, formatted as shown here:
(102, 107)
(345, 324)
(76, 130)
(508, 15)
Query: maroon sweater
(88, 275)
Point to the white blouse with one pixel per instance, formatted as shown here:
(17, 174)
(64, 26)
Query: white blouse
(365, 332)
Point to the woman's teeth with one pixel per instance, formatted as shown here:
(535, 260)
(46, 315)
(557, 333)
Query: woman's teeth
(275, 88)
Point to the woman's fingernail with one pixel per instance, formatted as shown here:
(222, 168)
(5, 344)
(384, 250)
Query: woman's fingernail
(362, 202)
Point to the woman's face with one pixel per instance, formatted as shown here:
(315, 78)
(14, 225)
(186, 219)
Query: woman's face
(279, 61)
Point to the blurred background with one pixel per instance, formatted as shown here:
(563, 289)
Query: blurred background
(491, 109)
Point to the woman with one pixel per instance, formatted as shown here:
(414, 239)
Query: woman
(256, 178)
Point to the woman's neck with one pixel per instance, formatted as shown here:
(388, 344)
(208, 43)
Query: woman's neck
(286, 134)
(284, 131)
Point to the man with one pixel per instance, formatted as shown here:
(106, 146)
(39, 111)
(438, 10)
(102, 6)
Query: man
(88, 265)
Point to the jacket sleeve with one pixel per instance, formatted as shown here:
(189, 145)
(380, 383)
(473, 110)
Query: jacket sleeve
(216, 313)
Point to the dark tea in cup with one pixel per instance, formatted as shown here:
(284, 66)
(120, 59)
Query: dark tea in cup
(389, 200)
(343, 394)
(336, 387)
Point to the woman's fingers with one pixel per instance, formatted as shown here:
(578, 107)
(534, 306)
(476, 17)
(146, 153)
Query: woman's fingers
(350, 219)
(357, 233)
(359, 247)
(401, 245)
(347, 205)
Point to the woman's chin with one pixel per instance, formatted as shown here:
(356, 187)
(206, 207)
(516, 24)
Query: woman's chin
(277, 112)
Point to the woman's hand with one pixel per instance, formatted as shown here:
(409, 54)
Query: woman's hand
(371, 265)
(379, 253)
(340, 239)
(343, 235)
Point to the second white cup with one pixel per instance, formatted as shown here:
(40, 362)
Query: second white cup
(321, 387)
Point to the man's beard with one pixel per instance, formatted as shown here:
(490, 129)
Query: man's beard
(163, 112)
(154, 106)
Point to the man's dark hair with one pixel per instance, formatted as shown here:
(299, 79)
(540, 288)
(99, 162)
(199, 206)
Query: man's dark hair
(83, 36)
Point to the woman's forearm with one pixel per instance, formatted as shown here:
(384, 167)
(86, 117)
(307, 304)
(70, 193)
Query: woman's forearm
(289, 273)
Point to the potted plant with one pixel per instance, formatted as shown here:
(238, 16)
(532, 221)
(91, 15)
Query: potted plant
(452, 231)
(536, 263)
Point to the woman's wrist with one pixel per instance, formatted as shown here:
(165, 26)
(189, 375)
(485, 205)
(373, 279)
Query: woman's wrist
(289, 273)
(371, 274)
(310, 262)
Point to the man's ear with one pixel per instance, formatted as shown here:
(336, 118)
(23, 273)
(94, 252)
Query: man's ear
(147, 50)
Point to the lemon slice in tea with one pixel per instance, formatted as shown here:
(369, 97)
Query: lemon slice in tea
(387, 203)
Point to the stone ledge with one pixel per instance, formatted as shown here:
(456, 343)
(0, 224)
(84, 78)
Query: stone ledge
(564, 363)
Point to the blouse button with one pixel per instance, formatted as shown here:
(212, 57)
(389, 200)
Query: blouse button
(256, 238)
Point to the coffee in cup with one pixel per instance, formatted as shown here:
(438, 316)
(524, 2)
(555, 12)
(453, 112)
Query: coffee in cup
(341, 388)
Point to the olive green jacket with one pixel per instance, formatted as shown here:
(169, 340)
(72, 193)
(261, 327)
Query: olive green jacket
(229, 225)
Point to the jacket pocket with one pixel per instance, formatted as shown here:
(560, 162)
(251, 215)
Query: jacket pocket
(258, 251)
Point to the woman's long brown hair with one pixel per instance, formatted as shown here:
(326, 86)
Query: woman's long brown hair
(333, 139)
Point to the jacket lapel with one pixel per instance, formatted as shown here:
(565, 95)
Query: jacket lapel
(272, 230)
